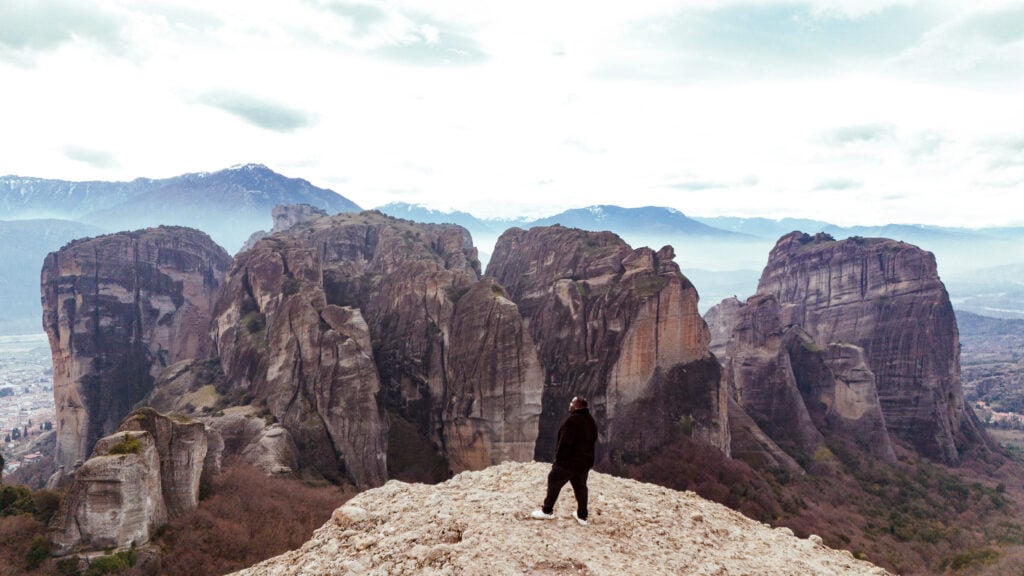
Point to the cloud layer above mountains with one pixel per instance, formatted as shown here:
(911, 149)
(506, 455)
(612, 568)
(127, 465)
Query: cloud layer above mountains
(850, 111)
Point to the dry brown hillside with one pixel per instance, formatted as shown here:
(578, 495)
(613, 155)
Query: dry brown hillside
(478, 523)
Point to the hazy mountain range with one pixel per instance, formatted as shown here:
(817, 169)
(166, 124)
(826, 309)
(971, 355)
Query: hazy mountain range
(723, 256)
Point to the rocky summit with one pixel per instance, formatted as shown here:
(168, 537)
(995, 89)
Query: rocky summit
(478, 523)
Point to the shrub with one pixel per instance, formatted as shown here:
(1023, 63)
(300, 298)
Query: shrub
(128, 445)
(248, 517)
(37, 552)
(18, 542)
(982, 557)
(291, 286)
(111, 564)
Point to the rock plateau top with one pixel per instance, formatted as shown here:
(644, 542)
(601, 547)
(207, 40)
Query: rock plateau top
(478, 523)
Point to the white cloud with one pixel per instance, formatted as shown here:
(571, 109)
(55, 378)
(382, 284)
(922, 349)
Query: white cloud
(508, 108)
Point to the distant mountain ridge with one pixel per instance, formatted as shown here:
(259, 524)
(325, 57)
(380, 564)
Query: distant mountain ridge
(228, 204)
(39, 215)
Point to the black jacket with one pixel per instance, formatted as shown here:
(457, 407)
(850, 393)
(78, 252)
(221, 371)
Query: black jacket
(576, 440)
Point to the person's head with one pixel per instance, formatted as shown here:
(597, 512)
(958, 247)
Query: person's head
(577, 403)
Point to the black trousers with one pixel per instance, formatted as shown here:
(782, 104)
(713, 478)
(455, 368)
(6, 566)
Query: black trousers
(557, 479)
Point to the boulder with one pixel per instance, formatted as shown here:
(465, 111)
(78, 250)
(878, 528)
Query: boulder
(137, 479)
(116, 499)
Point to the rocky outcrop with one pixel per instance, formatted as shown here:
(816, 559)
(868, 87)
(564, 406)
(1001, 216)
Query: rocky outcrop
(886, 298)
(721, 319)
(136, 480)
(117, 310)
(181, 447)
(494, 393)
(116, 499)
(761, 379)
(421, 336)
(451, 350)
(478, 523)
(839, 390)
(611, 323)
(289, 215)
(319, 381)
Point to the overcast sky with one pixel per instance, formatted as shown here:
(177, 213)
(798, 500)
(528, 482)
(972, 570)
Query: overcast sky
(851, 111)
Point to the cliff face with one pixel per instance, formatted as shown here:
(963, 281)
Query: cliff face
(117, 309)
(134, 482)
(840, 391)
(308, 362)
(478, 523)
(761, 377)
(886, 298)
(611, 323)
(424, 338)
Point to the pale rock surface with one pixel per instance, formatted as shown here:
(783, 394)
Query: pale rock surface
(115, 500)
(720, 319)
(181, 446)
(478, 523)
(241, 432)
(286, 216)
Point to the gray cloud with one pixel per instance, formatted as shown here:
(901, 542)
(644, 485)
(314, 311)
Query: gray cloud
(768, 40)
(838, 184)
(986, 45)
(860, 133)
(697, 185)
(259, 112)
(1004, 153)
(690, 184)
(423, 40)
(91, 156)
(362, 16)
(927, 144)
(43, 25)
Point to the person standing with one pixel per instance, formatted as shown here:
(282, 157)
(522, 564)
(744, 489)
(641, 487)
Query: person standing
(574, 457)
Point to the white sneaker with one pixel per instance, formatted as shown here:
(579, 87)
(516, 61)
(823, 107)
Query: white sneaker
(540, 515)
(578, 519)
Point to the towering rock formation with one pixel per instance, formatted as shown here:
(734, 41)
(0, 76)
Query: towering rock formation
(886, 298)
(619, 326)
(117, 309)
(437, 346)
(136, 480)
(761, 378)
(308, 362)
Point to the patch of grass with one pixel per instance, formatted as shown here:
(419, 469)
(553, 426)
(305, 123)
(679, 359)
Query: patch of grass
(649, 285)
(129, 445)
